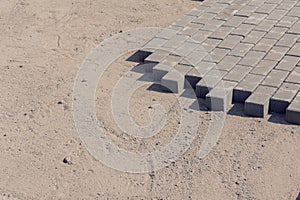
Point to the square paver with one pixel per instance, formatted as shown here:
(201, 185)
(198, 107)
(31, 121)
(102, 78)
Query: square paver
(246, 87)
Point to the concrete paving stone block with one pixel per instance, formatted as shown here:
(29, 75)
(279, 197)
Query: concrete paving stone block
(155, 43)
(294, 12)
(295, 29)
(212, 25)
(253, 37)
(208, 82)
(200, 36)
(290, 86)
(277, 14)
(195, 12)
(174, 42)
(276, 53)
(252, 58)
(287, 22)
(266, 25)
(281, 100)
(204, 18)
(246, 11)
(195, 57)
(294, 76)
(238, 73)
(166, 34)
(266, 8)
(255, 18)
(235, 21)
(257, 105)
(185, 48)
(189, 31)
(295, 50)
(264, 67)
(257, 3)
(241, 49)
(157, 56)
(226, 14)
(149, 67)
(210, 44)
(194, 76)
(220, 97)
(286, 5)
(184, 70)
(221, 33)
(175, 28)
(217, 8)
(293, 111)
(275, 78)
(276, 33)
(183, 21)
(173, 81)
(243, 30)
(194, 25)
(171, 60)
(265, 90)
(288, 63)
(230, 42)
(246, 87)
(288, 40)
(159, 71)
(228, 62)
(264, 45)
(216, 55)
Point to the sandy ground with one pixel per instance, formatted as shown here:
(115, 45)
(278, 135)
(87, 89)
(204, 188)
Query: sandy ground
(43, 44)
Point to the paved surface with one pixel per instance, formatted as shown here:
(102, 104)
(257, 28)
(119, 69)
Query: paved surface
(245, 51)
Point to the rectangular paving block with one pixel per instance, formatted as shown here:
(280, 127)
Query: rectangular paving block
(227, 63)
(293, 111)
(171, 60)
(174, 42)
(166, 34)
(208, 82)
(200, 36)
(276, 33)
(295, 29)
(246, 87)
(275, 78)
(288, 40)
(283, 97)
(212, 25)
(266, 25)
(243, 30)
(159, 71)
(195, 74)
(246, 11)
(276, 53)
(210, 44)
(195, 57)
(255, 18)
(173, 81)
(264, 67)
(183, 21)
(257, 105)
(266, 8)
(185, 48)
(277, 14)
(241, 50)
(188, 30)
(221, 33)
(288, 63)
(237, 73)
(220, 97)
(157, 56)
(155, 43)
(235, 21)
(294, 76)
(252, 58)
(253, 37)
(287, 22)
(295, 51)
(216, 55)
(230, 42)
(264, 45)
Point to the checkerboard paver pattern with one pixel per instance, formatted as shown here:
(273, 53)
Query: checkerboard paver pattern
(249, 47)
